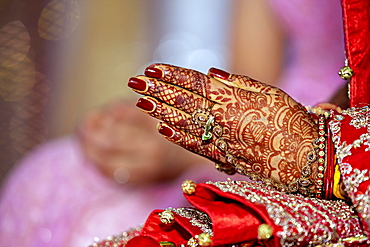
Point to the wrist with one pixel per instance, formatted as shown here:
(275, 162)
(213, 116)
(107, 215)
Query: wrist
(328, 178)
(322, 165)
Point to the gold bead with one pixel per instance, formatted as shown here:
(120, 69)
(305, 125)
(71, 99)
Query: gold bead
(204, 239)
(167, 217)
(345, 73)
(188, 187)
(264, 231)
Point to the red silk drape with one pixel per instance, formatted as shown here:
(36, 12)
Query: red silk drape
(356, 20)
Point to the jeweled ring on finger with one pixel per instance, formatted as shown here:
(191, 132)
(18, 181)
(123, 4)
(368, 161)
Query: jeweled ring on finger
(207, 129)
(200, 116)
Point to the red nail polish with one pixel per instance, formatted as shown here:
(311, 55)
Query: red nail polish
(137, 84)
(166, 131)
(219, 73)
(153, 72)
(145, 104)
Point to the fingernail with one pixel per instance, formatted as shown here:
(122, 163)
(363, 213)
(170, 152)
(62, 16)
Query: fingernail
(166, 131)
(137, 84)
(219, 73)
(145, 104)
(153, 72)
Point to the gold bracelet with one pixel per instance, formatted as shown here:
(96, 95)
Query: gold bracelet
(321, 156)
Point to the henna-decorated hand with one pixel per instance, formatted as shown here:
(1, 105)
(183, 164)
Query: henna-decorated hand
(254, 129)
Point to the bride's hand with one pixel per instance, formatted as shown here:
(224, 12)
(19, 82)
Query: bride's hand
(241, 124)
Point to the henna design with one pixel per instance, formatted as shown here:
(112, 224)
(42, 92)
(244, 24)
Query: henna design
(188, 79)
(177, 97)
(259, 130)
(271, 132)
(195, 144)
(179, 119)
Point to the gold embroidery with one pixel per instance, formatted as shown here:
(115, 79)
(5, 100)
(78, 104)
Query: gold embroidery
(301, 218)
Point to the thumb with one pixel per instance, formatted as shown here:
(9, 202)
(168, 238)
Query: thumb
(243, 82)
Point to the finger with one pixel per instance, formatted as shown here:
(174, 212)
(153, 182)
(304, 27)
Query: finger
(177, 97)
(224, 161)
(192, 143)
(191, 80)
(170, 115)
(243, 82)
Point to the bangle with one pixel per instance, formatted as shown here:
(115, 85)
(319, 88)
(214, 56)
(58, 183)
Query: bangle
(329, 172)
(326, 159)
(321, 157)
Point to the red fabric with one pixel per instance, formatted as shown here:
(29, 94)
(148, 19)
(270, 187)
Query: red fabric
(330, 168)
(234, 220)
(179, 232)
(238, 215)
(356, 16)
(143, 241)
(360, 161)
(349, 133)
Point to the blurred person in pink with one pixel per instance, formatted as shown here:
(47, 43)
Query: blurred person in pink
(71, 190)
(292, 44)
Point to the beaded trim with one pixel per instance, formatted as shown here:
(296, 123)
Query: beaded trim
(305, 185)
(119, 239)
(304, 221)
(360, 117)
(321, 157)
(196, 218)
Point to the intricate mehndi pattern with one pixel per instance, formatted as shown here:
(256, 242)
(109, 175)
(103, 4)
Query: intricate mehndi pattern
(259, 130)
(270, 134)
